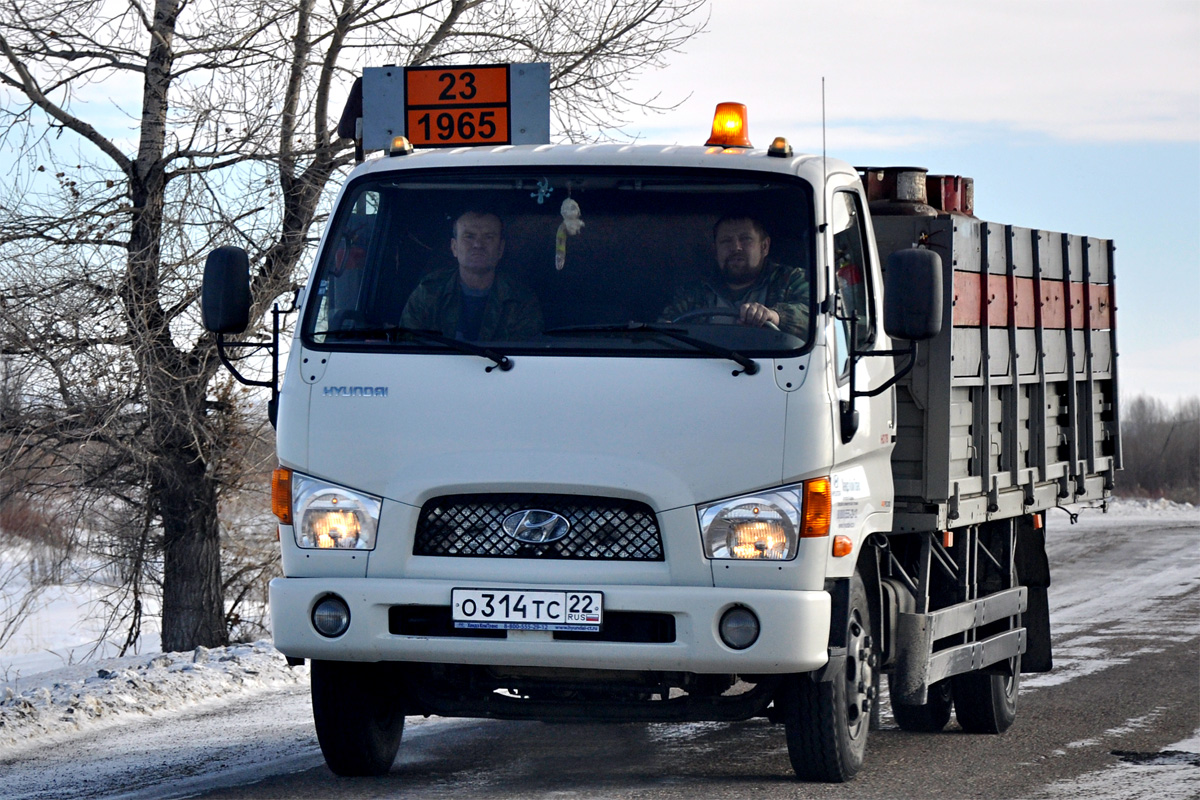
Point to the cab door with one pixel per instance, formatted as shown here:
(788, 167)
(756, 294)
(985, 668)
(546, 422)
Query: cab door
(861, 479)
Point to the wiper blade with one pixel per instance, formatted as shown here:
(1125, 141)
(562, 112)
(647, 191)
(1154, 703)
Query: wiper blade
(395, 333)
(748, 365)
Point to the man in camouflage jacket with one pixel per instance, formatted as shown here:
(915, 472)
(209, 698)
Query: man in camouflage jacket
(746, 281)
(473, 302)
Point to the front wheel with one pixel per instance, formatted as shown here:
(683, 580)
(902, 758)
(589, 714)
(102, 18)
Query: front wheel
(827, 723)
(358, 716)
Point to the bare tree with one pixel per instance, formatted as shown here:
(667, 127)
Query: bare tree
(149, 132)
(1161, 449)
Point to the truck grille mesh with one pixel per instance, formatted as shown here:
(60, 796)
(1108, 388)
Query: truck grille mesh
(602, 528)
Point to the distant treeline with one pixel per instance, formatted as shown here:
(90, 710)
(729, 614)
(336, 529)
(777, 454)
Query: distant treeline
(1161, 448)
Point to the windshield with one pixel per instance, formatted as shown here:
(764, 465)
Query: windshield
(589, 262)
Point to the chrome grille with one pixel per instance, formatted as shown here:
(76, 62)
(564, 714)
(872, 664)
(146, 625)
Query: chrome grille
(602, 528)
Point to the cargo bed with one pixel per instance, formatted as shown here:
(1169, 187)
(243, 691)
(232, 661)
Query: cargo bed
(1012, 408)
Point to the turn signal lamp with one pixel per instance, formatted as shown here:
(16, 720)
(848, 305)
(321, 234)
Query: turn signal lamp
(842, 546)
(818, 508)
(281, 495)
(729, 128)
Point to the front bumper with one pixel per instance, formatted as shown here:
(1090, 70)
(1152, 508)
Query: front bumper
(794, 628)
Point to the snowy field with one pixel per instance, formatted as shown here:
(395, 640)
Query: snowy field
(49, 690)
(64, 624)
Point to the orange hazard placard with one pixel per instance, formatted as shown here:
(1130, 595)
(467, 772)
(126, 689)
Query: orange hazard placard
(454, 106)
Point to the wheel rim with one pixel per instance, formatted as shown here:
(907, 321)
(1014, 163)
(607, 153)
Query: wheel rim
(860, 676)
(1010, 680)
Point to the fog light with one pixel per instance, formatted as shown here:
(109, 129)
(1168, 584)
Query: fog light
(331, 616)
(739, 628)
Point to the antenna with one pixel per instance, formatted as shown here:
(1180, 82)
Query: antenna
(822, 118)
(824, 164)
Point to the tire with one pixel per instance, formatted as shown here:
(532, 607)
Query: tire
(929, 718)
(827, 723)
(986, 702)
(358, 716)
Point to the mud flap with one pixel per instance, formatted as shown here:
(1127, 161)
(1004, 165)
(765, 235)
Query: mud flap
(839, 610)
(914, 642)
(1033, 572)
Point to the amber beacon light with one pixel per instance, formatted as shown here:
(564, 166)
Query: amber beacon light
(729, 127)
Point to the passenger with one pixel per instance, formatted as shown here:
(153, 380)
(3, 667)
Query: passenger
(761, 291)
(473, 302)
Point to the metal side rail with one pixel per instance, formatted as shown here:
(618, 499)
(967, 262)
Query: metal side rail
(918, 666)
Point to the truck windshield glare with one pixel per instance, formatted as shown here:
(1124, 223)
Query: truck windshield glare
(585, 263)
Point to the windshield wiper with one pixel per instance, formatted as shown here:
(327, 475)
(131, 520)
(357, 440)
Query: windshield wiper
(748, 365)
(396, 333)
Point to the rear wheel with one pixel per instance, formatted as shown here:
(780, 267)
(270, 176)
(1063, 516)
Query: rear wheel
(987, 702)
(358, 716)
(929, 718)
(827, 723)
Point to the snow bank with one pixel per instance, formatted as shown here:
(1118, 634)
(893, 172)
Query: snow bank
(106, 692)
(1144, 507)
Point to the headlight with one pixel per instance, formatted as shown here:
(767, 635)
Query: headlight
(330, 517)
(762, 526)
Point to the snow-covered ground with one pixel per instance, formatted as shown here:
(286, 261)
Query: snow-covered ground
(39, 704)
(64, 622)
(1173, 774)
(86, 696)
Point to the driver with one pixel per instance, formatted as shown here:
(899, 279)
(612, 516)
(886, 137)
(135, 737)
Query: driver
(761, 291)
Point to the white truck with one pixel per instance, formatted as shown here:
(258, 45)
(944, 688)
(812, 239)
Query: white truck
(624, 513)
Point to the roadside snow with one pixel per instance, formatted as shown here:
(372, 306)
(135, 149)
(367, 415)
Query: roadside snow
(83, 697)
(1149, 599)
(1143, 507)
(1171, 774)
(63, 620)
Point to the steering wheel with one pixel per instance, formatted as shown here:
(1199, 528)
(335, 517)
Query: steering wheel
(709, 313)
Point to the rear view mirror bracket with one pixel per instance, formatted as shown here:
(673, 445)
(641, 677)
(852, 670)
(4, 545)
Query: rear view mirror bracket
(225, 301)
(849, 411)
(272, 348)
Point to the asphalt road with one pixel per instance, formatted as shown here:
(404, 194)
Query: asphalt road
(1126, 620)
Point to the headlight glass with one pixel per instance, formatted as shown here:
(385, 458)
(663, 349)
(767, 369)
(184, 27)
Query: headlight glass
(761, 527)
(331, 517)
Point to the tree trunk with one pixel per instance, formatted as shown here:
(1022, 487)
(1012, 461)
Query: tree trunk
(193, 608)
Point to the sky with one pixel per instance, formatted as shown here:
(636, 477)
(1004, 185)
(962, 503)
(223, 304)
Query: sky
(1080, 116)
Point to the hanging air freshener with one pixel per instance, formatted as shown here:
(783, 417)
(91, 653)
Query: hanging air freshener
(572, 223)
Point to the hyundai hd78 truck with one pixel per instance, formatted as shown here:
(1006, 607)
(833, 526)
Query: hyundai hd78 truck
(608, 505)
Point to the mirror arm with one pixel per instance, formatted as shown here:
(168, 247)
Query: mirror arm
(272, 348)
(911, 352)
(849, 412)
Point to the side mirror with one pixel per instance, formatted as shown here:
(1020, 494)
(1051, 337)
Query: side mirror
(912, 287)
(225, 293)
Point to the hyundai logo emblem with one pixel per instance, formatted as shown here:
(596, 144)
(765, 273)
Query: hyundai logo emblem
(535, 526)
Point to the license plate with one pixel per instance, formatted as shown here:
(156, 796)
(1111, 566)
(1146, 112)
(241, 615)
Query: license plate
(507, 609)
